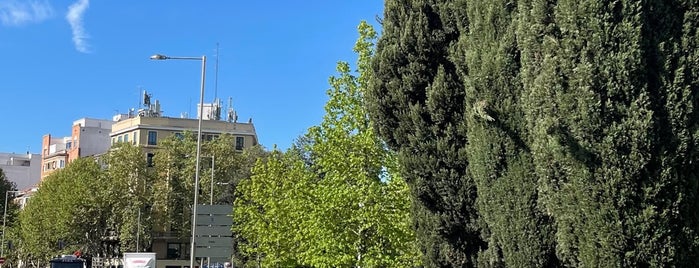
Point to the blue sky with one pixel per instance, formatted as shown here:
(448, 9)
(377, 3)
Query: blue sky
(63, 60)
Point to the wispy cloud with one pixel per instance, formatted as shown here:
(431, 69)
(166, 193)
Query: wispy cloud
(16, 13)
(75, 18)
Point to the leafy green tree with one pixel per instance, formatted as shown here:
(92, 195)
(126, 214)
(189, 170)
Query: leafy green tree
(230, 167)
(89, 222)
(64, 215)
(174, 166)
(6, 186)
(173, 196)
(271, 214)
(350, 160)
(10, 216)
(131, 189)
(352, 211)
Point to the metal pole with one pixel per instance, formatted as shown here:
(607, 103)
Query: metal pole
(196, 172)
(211, 195)
(138, 230)
(192, 259)
(4, 219)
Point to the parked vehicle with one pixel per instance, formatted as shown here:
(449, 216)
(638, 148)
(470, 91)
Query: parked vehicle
(67, 261)
(138, 260)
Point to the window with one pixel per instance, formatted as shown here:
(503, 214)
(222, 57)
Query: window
(152, 137)
(126, 137)
(119, 139)
(149, 159)
(173, 250)
(113, 140)
(179, 135)
(61, 163)
(68, 145)
(239, 141)
(135, 137)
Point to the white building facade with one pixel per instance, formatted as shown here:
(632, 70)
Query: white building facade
(22, 169)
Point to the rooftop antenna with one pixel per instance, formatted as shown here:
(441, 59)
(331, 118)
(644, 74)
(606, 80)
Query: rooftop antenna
(232, 115)
(141, 94)
(146, 99)
(216, 75)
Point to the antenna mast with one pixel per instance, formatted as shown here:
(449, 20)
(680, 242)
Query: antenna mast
(216, 79)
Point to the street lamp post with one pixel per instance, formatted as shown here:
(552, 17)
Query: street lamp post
(196, 172)
(4, 219)
(211, 194)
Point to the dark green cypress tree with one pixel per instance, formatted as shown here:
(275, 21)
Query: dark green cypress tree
(574, 122)
(417, 102)
(500, 161)
(610, 102)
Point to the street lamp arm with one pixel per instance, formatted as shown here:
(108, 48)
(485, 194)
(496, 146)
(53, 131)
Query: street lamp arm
(163, 57)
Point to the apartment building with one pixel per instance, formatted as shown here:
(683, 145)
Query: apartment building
(88, 137)
(22, 169)
(147, 128)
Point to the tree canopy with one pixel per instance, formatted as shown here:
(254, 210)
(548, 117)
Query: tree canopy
(544, 133)
(336, 202)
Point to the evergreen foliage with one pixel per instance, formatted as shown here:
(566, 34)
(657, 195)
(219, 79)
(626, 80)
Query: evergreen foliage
(517, 232)
(417, 100)
(572, 127)
(611, 105)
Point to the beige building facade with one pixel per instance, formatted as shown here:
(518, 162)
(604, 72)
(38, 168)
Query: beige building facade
(147, 132)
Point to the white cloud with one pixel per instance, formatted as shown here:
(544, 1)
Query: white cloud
(75, 18)
(16, 13)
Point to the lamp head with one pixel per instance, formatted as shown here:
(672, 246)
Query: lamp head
(158, 57)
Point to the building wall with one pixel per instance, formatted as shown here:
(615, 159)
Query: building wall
(139, 127)
(92, 136)
(88, 137)
(74, 148)
(53, 154)
(22, 169)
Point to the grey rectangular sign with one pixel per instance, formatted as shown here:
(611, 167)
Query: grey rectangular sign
(213, 252)
(214, 220)
(213, 241)
(213, 230)
(220, 260)
(214, 209)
